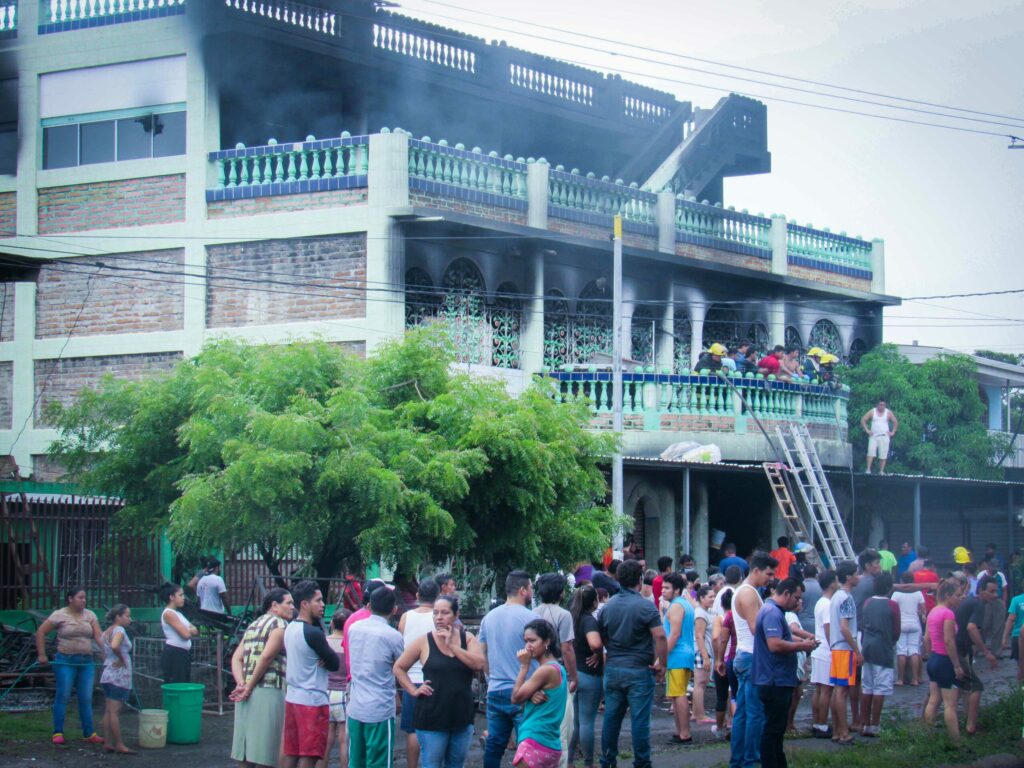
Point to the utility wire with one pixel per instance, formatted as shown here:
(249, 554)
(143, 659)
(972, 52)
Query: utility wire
(699, 70)
(712, 62)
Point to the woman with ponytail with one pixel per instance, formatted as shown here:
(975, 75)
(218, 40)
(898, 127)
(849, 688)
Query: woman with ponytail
(116, 680)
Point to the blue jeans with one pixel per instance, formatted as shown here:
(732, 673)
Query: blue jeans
(73, 671)
(632, 687)
(502, 717)
(588, 699)
(444, 749)
(748, 722)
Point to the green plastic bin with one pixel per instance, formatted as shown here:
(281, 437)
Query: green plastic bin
(184, 705)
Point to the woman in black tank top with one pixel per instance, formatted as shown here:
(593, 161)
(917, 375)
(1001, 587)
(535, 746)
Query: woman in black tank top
(444, 703)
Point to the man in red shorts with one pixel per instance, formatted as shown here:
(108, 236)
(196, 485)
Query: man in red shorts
(310, 658)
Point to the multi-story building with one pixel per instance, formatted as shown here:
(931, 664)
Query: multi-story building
(195, 170)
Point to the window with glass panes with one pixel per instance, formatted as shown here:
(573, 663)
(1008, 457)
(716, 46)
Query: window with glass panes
(114, 136)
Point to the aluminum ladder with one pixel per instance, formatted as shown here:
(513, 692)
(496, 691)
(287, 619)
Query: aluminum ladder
(809, 478)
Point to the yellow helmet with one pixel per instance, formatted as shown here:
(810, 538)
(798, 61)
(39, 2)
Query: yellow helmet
(961, 556)
(828, 358)
(816, 352)
(718, 349)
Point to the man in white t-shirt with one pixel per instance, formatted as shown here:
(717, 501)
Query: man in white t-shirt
(908, 646)
(821, 658)
(211, 590)
(883, 427)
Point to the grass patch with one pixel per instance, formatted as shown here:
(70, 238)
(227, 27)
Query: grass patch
(911, 742)
(36, 726)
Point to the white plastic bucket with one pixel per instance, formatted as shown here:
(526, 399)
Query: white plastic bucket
(717, 538)
(153, 728)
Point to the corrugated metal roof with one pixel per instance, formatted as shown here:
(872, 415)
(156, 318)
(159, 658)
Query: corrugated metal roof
(659, 463)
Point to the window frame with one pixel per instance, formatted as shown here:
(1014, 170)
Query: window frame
(114, 116)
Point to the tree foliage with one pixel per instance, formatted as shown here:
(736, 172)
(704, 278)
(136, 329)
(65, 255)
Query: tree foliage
(941, 413)
(302, 447)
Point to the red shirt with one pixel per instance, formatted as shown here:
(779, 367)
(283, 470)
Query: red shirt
(770, 363)
(786, 559)
(360, 615)
(924, 576)
(659, 580)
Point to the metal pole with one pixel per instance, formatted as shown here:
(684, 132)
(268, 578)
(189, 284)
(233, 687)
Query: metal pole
(917, 515)
(617, 370)
(1010, 521)
(686, 548)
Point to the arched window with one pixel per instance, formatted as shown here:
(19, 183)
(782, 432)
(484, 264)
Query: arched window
(721, 325)
(757, 333)
(464, 310)
(422, 300)
(793, 337)
(824, 334)
(556, 329)
(506, 323)
(643, 334)
(857, 350)
(592, 325)
(682, 332)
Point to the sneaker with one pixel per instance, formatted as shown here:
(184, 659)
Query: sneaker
(58, 738)
(94, 739)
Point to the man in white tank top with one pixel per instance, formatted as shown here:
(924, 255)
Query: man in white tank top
(748, 722)
(413, 624)
(883, 425)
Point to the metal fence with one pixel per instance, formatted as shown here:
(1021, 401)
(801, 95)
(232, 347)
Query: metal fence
(211, 666)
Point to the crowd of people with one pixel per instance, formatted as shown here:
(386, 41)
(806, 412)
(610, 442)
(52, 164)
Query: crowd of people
(751, 635)
(781, 362)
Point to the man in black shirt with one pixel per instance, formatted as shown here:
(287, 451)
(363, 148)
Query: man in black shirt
(970, 618)
(634, 638)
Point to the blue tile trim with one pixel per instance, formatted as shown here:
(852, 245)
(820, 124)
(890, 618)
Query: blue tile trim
(723, 245)
(469, 195)
(285, 188)
(600, 220)
(116, 18)
(824, 266)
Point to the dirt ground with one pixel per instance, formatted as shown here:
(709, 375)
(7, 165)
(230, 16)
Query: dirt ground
(28, 746)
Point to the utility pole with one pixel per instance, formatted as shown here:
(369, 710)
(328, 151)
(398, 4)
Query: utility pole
(617, 371)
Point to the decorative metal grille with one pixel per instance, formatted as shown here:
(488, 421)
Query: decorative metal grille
(506, 319)
(592, 326)
(556, 330)
(824, 334)
(793, 337)
(857, 350)
(642, 335)
(464, 310)
(757, 334)
(422, 300)
(682, 331)
(721, 325)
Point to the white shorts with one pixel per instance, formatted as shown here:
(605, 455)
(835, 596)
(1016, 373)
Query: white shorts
(878, 445)
(820, 671)
(877, 680)
(909, 643)
(338, 701)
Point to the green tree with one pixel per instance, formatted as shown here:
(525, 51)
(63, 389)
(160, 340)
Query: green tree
(302, 447)
(942, 427)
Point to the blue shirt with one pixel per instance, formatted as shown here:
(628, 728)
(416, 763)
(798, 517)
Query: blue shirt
(903, 563)
(502, 632)
(681, 656)
(733, 560)
(778, 669)
(625, 624)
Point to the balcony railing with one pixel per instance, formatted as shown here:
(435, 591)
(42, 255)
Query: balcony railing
(8, 19)
(442, 168)
(705, 395)
(290, 13)
(63, 15)
(284, 169)
(1015, 457)
(718, 227)
(573, 192)
(815, 246)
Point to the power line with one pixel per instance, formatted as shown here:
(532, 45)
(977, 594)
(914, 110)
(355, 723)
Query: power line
(704, 71)
(712, 62)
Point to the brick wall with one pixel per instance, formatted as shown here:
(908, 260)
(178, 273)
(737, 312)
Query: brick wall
(6, 394)
(314, 278)
(6, 311)
(723, 257)
(482, 210)
(253, 206)
(107, 204)
(829, 278)
(121, 300)
(61, 380)
(8, 214)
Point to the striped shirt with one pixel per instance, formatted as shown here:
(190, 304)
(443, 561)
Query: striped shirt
(253, 643)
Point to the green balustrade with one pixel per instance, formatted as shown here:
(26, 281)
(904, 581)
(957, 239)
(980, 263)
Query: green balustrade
(467, 169)
(309, 160)
(824, 246)
(702, 220)
(587, 193)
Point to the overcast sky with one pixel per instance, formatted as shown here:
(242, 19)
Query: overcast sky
(948, 204)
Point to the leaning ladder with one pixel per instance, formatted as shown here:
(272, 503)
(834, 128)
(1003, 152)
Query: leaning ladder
(778, 479)
(810, 480)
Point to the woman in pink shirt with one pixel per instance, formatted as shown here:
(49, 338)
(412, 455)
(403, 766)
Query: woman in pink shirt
(944, 667)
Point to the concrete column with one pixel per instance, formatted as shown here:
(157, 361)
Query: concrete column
(776, 323)
(533, 334)
(388, 174)
(664, 340)
(537, 194)
(23, 382)
(666, 216)
(697, 312)
(700, 529)
(780, 253)
(878, 266)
